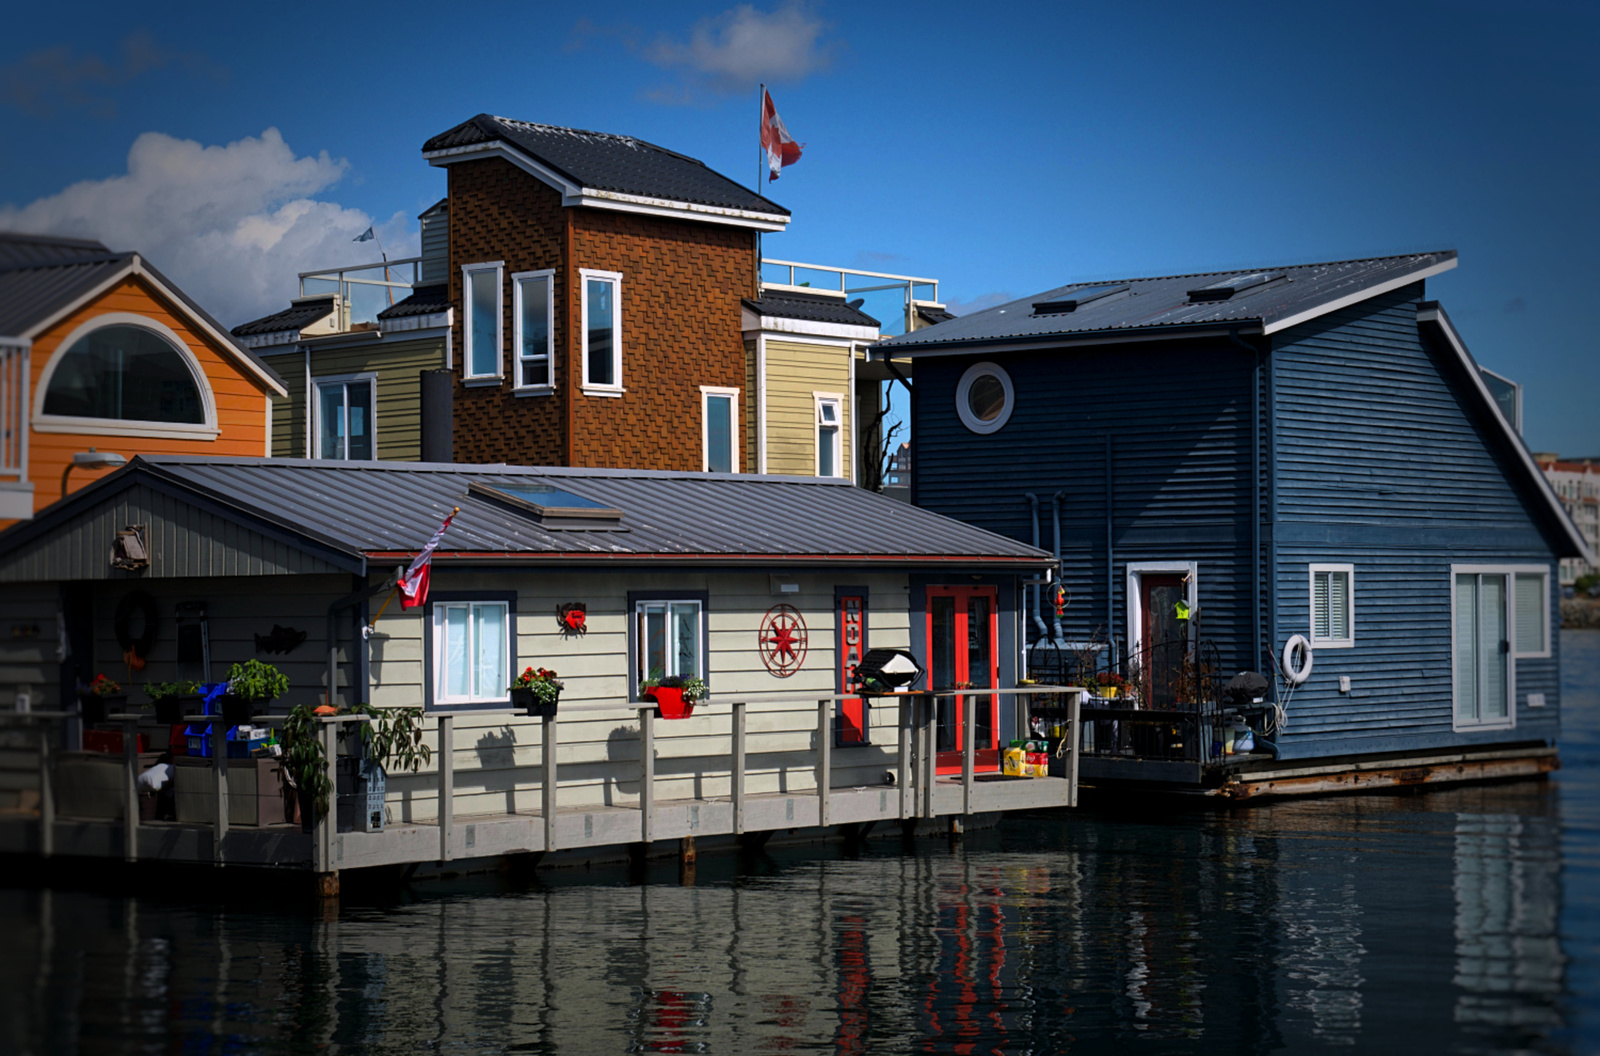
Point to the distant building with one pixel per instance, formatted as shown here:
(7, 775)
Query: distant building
(897, 484)
(1577, 484)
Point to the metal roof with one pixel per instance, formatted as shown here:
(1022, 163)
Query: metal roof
(296, 317)
(1158, 304)
(607, 162)
(423, 300)
(21, 250)
(390, 510)
(813, 307)
(32, 294)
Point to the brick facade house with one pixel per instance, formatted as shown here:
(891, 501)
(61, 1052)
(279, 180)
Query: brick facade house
(596, 282)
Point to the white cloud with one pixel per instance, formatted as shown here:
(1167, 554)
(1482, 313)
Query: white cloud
(231, 225)
(733, 51)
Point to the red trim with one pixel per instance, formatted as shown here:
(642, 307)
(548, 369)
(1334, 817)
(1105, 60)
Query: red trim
(530, 557)
(986, 758)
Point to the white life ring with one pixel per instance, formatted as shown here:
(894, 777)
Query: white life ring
(1296, 671)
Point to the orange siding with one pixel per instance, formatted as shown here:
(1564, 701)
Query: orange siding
(239, 397)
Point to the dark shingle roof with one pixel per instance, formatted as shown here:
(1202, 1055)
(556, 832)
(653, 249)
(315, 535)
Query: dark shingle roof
(424, 300)
(390, 508)
(296, 317)
(933, 316)
(813, 307)
(1303, 291)
(607, 162)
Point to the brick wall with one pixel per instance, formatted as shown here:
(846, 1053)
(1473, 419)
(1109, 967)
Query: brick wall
(681, 289)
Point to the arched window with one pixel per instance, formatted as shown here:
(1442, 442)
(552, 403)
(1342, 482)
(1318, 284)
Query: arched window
(127, 373)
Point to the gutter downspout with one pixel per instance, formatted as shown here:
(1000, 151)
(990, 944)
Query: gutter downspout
(1255, 498)
(1055, 515)
(349, 601)
(1038, 589)
(1111, 563)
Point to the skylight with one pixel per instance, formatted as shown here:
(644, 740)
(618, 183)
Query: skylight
(550, 506)
(1221, 291)
(1076, 299)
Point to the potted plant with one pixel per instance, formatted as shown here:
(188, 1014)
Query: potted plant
(1109, 685)
(537, 691)
(172, 699)
(99, 696)
(393, 736)
(251, 685)
(675, 695)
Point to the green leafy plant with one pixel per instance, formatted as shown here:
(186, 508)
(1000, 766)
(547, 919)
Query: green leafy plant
(393, 737)
(256, 681)
(303, 758)
(166, 690)
(693, 686)
(103, 687)
(544, 684)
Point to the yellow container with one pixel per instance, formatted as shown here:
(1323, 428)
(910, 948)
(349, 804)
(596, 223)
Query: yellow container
(1011, 762)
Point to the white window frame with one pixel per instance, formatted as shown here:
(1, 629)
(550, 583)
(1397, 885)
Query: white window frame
(818, 401)
(964, 388)
(316, 411)
(1542, 571)
(521, 385)
(587, 387)
(706, 392)
(641, 673)
(1510, 721)
(1136, 572)
(1349, 601)
(440, 697)
(467, 271)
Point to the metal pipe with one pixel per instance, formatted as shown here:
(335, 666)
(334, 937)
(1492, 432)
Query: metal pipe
(1055, 515)
(1111, 566)
(1038, 589)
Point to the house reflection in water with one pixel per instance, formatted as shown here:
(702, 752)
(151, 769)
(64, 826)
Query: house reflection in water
(1423, 923)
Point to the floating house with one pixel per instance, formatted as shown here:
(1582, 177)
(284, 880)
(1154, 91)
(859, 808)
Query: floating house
(771, 589)
(1234, 466)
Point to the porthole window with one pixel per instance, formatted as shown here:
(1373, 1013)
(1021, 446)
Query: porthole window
(984, 398)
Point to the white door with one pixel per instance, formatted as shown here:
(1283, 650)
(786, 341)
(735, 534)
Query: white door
(1482, 650)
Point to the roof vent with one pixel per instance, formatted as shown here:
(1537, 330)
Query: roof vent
(551, 508)
(1221, 291)
(1071, 302)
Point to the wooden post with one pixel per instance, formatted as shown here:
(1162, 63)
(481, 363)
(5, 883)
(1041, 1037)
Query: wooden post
(447, 782)
(1075, 739)
(548, 777)
(903, 774)
(930, 755)
(647, 773)
(824, 761)
(130, 789)
(686, 861)
(969, 748)
(738, 766)
(327, 824)
(47, 798)
(219, 767)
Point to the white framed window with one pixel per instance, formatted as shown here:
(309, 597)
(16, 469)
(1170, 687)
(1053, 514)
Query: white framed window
(1483, 670)
(1333, 606)
(346, 417)
(830, 427)
(602, 332)
(533, 330)
(719, 410)
(984, 397)
(669, 637)
(482, 293)
(471, 651)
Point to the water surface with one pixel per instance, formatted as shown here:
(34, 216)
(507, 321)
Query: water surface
(1453, 921)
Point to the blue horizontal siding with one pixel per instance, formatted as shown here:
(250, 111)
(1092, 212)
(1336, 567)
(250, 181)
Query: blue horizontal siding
(1386, 462)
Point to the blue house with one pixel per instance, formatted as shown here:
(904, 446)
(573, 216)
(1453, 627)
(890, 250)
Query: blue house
(1233, 466)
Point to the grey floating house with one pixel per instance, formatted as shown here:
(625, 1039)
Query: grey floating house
(1305, 451)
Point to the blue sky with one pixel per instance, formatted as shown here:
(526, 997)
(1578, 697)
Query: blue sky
(1003, 149)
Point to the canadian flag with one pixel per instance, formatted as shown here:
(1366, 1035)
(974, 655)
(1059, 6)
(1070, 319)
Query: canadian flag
(775, 139)
(414, 581)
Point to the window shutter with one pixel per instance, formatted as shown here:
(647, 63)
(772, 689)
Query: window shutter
(1338, 605)
(1530, 612)
(1319, 605)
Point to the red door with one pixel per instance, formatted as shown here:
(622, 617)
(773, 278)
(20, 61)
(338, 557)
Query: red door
(850, 721)
(963, 653)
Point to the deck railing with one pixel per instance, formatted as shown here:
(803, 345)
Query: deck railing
(364, 290)
(14, 411)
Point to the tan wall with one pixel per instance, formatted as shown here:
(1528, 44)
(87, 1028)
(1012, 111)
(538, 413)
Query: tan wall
(289, 413)
(796, 370)
(398, 363)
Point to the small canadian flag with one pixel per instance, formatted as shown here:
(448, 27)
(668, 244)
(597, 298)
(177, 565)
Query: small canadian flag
(780, 147)
(414, 581)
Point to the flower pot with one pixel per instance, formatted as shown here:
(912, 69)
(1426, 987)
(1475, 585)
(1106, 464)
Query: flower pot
(94, 706)
(670, 703)
(1106, 692)
(171, 710)
(530, 703)
(237, 710)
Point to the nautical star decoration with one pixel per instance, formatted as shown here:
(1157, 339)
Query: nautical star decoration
(783, 640)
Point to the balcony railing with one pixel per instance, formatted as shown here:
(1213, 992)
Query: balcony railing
(363, 290)
(889, 298)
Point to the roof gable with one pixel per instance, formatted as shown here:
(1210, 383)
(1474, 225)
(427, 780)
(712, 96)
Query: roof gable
(608, 171)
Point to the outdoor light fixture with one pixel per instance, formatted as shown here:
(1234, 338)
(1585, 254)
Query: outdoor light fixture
(90, 459)
(886, 670)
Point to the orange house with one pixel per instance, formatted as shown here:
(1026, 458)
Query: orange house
(102, 358)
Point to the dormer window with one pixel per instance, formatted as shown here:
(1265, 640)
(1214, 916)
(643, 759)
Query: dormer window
(602, 332)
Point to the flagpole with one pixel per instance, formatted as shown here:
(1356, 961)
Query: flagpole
(761, 124)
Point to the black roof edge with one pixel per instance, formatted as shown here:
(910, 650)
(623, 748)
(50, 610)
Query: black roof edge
(1121, 334)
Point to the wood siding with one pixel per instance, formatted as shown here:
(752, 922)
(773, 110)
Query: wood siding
(240, 398)
(1387, 462)
(398, 362)
(1178, 421)
(289, 413)
(797, 369)
(184, 540)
